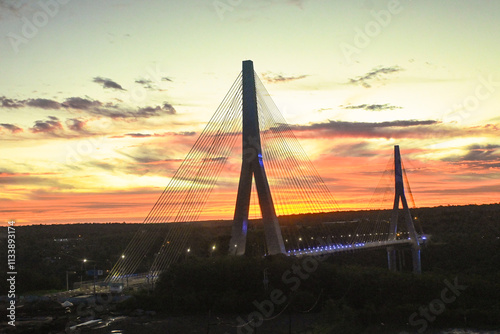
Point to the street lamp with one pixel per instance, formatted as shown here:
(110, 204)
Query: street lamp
(94, 273)
(67, 281)
(81, 273)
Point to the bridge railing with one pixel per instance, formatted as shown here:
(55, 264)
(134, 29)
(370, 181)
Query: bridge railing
(329, 249)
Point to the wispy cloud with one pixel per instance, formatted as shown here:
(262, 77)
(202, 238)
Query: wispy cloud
(298, 3)
(165, 134)
(107, 83)
(146, 83)
(31, 179)
(274, 77)
(266, 3)
(155, 85)
(372, 107)
(376, 74)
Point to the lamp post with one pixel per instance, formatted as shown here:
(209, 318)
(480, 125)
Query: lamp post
(81, 273)
(94, 273)
(67, 281)
(94, 278)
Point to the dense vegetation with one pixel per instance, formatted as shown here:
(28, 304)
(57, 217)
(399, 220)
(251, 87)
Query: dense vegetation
(351, 290)
(355, 296)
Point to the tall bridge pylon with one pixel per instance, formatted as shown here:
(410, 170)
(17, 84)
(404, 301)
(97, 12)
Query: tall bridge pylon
(399, 192)
(253, 166)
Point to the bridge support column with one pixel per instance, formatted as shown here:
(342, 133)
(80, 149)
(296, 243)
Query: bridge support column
(391, 258)
(417, 264)
(400, 195)
(253, 166)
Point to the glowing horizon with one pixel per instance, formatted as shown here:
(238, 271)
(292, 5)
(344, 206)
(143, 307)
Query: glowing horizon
(101, 102)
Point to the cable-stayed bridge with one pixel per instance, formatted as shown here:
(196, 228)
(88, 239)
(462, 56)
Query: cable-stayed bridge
(274, 169)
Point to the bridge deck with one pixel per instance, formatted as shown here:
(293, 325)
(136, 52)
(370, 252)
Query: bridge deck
(148, 278)
(320, 250)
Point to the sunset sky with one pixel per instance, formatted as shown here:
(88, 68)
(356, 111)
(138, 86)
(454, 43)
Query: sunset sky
(101, 100)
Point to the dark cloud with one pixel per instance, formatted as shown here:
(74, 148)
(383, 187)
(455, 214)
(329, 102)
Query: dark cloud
(273, 77)
(43, 103)
(392, 129)
(75, 124)
(167, 108)
(49, 126)
(11, 127)
(107, 83)
(10, 103)
(138, 135)
(478, 153)
(149, 111)
(166, 134)
(186, 133)
(373, 107)
(91, 106)
(482, 153)
(150, 85)
(81, 104)
(375, 74)
(36, 103)
(116, 111)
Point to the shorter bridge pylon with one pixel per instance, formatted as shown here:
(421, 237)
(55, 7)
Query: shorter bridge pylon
(400, 195)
